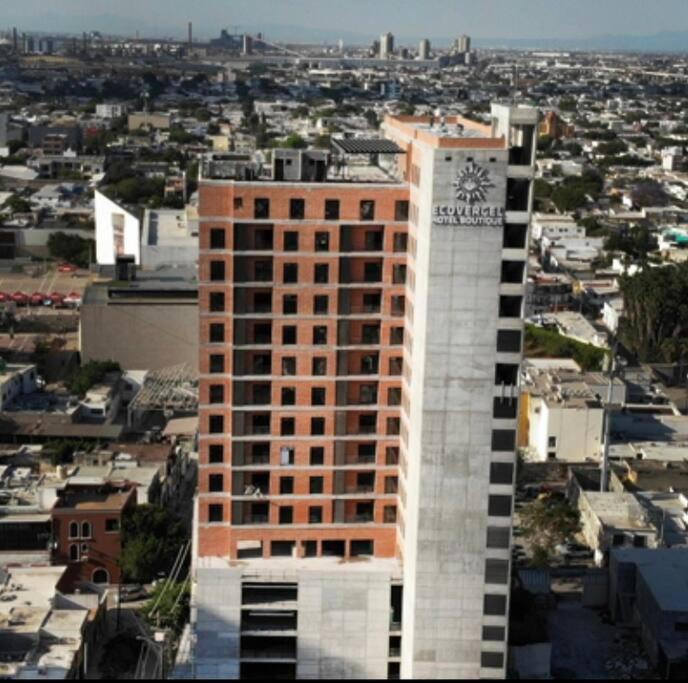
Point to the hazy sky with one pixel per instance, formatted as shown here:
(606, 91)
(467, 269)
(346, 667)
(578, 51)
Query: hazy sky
(367, 18)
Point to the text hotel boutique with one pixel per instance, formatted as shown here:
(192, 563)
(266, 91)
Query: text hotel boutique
(361, 334)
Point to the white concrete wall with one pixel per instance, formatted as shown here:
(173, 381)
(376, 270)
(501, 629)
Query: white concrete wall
(107, 213)
(578, 431)
(449, 451)
(343, 625)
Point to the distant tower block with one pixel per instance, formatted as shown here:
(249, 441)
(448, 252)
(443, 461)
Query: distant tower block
(190, 33)
(424, 49)
(463, 43)
(386, 45)
(247, 44)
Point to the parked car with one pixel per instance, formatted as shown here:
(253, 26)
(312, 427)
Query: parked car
(67, 268)
(574, 551)
(132, 593)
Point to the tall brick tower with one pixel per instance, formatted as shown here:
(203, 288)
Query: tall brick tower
(361, 334)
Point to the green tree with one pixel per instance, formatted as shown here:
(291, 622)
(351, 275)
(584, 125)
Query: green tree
(17, 204)
(151, 538)
(89, 375)
(546, 523)
(655, 324)
(168, 607)
(73, 248)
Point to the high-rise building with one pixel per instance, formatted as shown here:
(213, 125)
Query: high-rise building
(361, 334)
(386, 45)
(424, 49)
(463, 43)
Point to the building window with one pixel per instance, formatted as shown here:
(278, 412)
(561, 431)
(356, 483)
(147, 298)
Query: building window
(217, 238)
(318, 395)
(501, 473)
(74, 530)
(496, 572)
(322, 241)
(515, 235)
(499, 506)
(506, 374)
(289, 334)
(217, 271)
(316, 485)
(238, 203)
(367, 211)
(74, 553)
(398, 274)
(286, 486)
(290, 303)
(400, 242)
(85, 530)
(217, 333)
(491, 660)
(262, 271)
(392, 455)
(288, 396)
(393, 426)
(317, 426)
(509, 341)
(286, 514)
(495, 634)
(320, 304)
(503, 439)
(217, 364)
(513, 272)
(297, 209)
(498, 537)
(494, 605)
(321, 273)
(390, 514)
(396, 366)
(287, 426)
(216, 483)
(331, 209)
(217, 393)
(394, 396)
(290, 273)
(401, 210)
(320, 335)
(319, 366)
(112, 525)
(396, 336)
(291, 241)
(216, 424)
(510, 306)
(217, 302)
(315, 514)
(261, 208)
(288, 366)
(215, 513)
(216, 454)
(317, 455)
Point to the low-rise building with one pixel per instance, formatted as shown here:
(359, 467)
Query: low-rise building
(15, 381)
(45, 634)
(87, 523)
(562, 410)
(649, 589)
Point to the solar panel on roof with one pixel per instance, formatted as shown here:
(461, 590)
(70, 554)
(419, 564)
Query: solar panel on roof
(367, 146)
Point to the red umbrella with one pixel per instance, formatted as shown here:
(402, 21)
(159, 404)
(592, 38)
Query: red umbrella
(37, 298)
(20, 297)
(4, 297)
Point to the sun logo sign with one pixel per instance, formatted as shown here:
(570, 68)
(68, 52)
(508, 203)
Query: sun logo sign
(472, 184)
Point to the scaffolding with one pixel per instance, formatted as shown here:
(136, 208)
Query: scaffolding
(172, 391)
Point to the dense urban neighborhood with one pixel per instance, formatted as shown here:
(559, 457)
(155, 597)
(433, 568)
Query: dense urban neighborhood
(336, 361)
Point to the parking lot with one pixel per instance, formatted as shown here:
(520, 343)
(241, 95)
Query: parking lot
(46, 280)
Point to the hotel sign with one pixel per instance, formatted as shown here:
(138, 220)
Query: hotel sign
(471, 188)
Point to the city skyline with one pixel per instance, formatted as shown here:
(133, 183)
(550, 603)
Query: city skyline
(628, 24)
